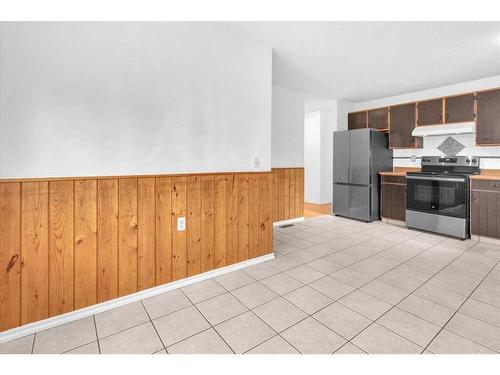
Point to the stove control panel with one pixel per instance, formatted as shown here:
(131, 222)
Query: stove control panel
(459, 161)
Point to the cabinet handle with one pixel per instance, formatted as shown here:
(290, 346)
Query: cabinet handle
(440, 117)
(447, 116)
(473, 196)
(497, 185)
(12, 262)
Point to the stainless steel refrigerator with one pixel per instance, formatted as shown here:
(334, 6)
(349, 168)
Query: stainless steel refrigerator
(358, 156)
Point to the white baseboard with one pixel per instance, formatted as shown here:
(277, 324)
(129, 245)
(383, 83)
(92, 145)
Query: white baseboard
(41, 325)
(289, 221)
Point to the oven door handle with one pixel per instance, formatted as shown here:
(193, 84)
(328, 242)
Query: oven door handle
(435, 178)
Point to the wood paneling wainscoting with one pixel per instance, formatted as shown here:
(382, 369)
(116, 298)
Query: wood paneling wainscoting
(70, 243)
(288, 193)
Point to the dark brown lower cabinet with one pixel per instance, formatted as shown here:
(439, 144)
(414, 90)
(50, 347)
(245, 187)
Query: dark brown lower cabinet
(393, 198)
(485, 208)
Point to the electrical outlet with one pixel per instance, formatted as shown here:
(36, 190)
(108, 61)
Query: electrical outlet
(181, 224)
(413, 158)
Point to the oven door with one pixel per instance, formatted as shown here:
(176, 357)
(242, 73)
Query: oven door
(441, 195)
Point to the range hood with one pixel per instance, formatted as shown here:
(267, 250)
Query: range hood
(445, 129)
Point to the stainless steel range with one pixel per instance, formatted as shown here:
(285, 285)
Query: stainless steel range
(437, 198)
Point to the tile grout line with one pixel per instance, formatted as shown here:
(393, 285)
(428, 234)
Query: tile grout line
(463, 303)
(96, 335)
(154, 327)
(204, 317)
(376, 320)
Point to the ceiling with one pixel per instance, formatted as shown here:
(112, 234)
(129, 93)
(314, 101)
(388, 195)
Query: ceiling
(359, 61)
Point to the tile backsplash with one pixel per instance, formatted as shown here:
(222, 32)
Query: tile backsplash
(431, 144)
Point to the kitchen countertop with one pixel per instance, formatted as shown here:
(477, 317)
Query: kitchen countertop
(485, 177)
(395, 173)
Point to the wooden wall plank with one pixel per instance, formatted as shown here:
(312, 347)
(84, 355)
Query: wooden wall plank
(232, 220)
(265, 222)
(10, 253)
(85, 238)
(193, 225)
(275, 177)
(220, 221)
(146, 241)
(253, 216)
(281, 195)
(179, 269)
(107, 239)
(243, 217)
(127, 236)
(286, 197)
(292, 188)
(34, 251)
(207, 223)
(61, 247)
(163, 230)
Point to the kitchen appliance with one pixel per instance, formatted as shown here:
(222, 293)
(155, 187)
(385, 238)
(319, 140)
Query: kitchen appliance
(437, 198)
(358, 156)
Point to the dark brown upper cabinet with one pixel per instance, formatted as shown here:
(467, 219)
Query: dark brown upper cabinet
(430, 112)
(378, 118)
(488, 118)
(459, 108)
(402, 124)
(356, 120)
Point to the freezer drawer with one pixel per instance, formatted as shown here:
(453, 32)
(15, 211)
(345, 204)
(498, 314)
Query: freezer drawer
(352, 201)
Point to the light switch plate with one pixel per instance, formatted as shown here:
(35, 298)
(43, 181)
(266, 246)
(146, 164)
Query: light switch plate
(181, 224)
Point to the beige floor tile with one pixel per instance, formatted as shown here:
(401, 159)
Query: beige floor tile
(342, 320)
(281, 283)
(311, 337)
(65, 337)
(234, 280)
(365, 304)
(244, 332)
(440, 296)
(425, 309)
(92, 348)
(303, 256)
(308, 299)
(399, 279)
(206, 342)
(279, 314)
(161, 351)
(221, 308)
(324, 265)
(203, 290)
(179, 325)
(254, 295)
(487, 295)
(482, 311)
(409, 326)
(449, 343)
(124, 317)
(261, 271)
(22, 345)
(331, 287)
(319, 250)
(475, 330)
(166, 303)
(349, 348)
(283, 263)
(379, 340)
(275, 345)
(138, 340)
(305, 274)
(374, 266)
(384, 291)
(351, 277)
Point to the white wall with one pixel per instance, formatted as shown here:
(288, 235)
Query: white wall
(312, 157)
(131, 98)
(287, 124)
(403, 157)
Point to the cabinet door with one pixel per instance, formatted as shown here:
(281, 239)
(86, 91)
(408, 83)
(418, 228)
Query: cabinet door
(401, 125)
(459, 108)
(356, 120)
(378, 118)
(485, 213)
(394, 201)
(430, 112)
(488, 118)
